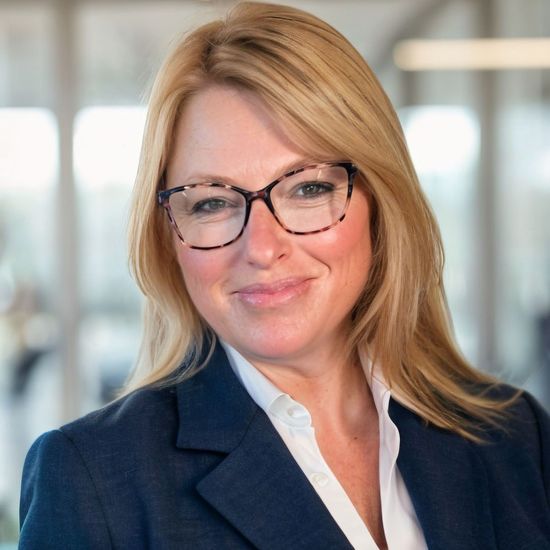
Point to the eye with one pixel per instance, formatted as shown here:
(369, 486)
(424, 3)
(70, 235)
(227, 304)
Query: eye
(213, 204)
(313, 189)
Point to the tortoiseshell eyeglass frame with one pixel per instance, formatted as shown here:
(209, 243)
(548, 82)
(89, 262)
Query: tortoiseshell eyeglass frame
(264, 194)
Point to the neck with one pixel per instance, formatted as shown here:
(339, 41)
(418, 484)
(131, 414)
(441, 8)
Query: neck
(335, 392)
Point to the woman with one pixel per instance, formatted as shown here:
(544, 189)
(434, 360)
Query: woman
(298, 385)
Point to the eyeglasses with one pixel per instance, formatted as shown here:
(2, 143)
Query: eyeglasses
(307, 200)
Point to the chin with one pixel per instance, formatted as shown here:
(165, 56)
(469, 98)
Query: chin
(271, 347)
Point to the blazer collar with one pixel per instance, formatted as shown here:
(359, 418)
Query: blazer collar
(259, 479)
(257, 487)
(214, 408)
(447, 483)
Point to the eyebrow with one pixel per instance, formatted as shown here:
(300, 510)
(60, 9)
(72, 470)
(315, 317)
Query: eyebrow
(211, 177)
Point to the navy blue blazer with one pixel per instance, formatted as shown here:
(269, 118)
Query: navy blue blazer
(200, 466)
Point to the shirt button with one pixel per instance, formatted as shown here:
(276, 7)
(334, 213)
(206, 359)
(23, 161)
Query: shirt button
(319, 479)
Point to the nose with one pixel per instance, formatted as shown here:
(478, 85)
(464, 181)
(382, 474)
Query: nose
(264, 241)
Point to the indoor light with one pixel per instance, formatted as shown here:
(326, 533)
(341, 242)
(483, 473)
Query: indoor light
(479, 54)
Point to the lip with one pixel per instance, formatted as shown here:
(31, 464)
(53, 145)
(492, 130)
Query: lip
(276, 293)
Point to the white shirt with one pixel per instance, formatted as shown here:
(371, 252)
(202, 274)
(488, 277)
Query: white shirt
(293, 423)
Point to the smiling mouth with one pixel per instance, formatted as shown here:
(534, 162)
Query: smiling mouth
(274, 294)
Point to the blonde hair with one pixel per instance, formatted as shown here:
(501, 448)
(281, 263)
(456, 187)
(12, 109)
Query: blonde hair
(324, 93)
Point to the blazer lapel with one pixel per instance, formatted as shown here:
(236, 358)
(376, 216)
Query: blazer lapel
(258, 487)
(447, 483)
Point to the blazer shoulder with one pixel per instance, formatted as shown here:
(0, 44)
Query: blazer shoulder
(143, 411)
(531, 425)
(525, 421)
(59, 506)
(71, 475)
(523, 441)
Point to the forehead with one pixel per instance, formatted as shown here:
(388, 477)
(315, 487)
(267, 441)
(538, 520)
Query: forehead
(230, 132)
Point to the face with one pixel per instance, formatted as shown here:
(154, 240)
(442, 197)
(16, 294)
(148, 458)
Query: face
(274, 296)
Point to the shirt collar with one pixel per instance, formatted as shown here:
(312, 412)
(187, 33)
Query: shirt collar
(281, 405)
(267, 395)
(379, 388)
(260, 388)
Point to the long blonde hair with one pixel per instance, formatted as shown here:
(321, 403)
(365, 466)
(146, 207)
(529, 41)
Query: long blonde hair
(327, 97)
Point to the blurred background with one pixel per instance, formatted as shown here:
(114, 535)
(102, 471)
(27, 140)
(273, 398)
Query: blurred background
(470, 80)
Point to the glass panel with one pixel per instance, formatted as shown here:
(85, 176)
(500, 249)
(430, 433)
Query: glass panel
(106, 148)
(134, 38)
(30, 371)
(444, 145)
(26, 55)
(516, 301)
(523, 208)
(524, 252)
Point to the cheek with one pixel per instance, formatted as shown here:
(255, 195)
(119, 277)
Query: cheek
(353, 261)
(202, 271)
(347, 246)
